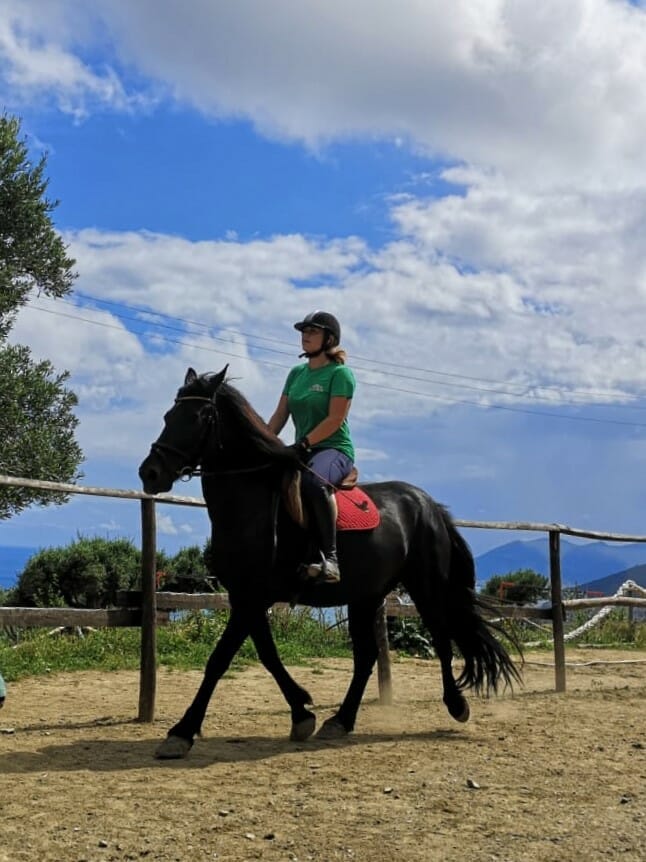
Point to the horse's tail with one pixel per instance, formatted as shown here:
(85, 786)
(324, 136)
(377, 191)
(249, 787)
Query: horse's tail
(486, 661)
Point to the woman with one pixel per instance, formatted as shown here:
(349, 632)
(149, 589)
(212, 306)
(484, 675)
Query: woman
(317, 395)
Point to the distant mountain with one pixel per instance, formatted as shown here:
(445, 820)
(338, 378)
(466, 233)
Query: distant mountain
(513, 556)
(12, 562)
(580, 564)
(611, 583)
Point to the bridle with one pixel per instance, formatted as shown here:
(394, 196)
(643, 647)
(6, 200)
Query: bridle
(164, 449)
(188, 472)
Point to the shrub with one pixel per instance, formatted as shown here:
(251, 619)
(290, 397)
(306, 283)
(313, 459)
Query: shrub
(86, 574)
(409, 635)
(186, 572)
(524, 586)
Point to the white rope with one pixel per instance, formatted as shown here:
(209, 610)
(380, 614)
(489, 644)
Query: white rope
(627, 587)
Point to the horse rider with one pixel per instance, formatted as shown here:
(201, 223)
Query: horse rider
(317, 396)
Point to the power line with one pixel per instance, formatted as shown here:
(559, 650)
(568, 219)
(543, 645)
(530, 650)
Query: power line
(382, 387)
(390, 373)
(585, 395)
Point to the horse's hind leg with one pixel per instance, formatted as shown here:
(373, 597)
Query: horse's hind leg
(431, 604)
(303, 721)
(361, 623)
(454, 700)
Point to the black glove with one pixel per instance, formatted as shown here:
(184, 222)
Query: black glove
(301, 450)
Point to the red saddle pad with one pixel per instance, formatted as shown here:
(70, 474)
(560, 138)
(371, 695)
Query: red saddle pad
(356, 510)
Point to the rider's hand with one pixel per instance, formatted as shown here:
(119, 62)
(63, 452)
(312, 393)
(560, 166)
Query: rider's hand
(301, 450)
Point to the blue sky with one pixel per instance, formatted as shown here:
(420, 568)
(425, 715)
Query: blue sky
(463, 186)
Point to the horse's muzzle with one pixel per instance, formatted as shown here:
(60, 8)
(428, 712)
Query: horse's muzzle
(155, 478)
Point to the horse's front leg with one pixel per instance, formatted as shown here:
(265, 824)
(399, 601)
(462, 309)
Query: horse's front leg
(361, 623)
(303, 721)
(180, 737)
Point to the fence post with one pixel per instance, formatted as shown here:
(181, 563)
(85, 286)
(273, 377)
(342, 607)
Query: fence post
(148, 667)
(383, 657)
(557, 609)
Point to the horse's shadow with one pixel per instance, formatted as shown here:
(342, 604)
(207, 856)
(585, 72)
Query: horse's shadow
(110, 755)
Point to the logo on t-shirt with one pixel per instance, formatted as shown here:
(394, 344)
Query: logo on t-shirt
(316, 387)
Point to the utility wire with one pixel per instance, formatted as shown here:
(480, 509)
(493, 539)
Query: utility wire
(382, 387)
(585, 395)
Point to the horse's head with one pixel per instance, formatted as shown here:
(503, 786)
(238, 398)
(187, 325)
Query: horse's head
(187, 427)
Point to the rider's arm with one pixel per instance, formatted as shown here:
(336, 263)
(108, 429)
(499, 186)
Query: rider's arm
(338, 411)
(280, 416)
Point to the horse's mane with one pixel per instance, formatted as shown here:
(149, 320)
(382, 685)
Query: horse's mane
(252, 425)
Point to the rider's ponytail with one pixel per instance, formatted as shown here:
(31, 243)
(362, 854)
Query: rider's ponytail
(336, 354)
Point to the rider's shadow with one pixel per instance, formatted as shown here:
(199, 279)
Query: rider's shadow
(110, 755)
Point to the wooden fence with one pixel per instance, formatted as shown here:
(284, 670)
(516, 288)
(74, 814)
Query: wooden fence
(149, 603)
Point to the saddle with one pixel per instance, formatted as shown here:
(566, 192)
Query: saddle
(355, 509)
(349, 481)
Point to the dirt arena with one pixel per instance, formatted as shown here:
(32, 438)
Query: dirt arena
(532, 776)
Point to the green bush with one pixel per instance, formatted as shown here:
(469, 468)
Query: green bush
(522, 587)
(616, 628)
(184, 645)
(86, 574)
(409, 635)
(186, 572)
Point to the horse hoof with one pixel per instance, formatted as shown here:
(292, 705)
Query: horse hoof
(173, 748)
(332, 729)
(462, 716)
(302, 730)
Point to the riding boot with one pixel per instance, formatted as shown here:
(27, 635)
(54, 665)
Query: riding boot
(322, 508)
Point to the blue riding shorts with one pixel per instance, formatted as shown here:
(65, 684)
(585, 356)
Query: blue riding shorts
(330, 468)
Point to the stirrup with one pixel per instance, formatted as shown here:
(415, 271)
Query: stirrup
(325, 572)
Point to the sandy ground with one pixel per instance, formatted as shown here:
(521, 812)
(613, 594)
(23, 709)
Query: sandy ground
(532, 776)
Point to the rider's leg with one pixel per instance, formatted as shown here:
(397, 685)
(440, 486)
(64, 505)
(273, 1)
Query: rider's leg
(328, 468)
(324, 523)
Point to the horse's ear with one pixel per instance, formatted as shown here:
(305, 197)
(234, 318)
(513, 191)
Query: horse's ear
(218, 380)
(191, 376)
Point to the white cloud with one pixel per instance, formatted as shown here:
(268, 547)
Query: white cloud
(41, 60)
(542, 92)
(168, 526)
(560, 278)
(480, 300)
(371, 455)
(503, 84)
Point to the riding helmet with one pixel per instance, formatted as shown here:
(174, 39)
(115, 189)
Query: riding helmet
(322, 320)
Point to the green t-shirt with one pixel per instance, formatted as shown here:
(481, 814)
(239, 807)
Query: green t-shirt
(308, 394)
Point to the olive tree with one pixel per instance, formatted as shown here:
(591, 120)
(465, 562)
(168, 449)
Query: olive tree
(524, 586)
(37, 421)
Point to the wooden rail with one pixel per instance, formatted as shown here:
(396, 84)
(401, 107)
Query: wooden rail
(69, 617)
(128, 614)
(618, 601)
(151, 601)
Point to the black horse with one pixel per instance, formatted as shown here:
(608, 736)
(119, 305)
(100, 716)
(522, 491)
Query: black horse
(258, 546)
